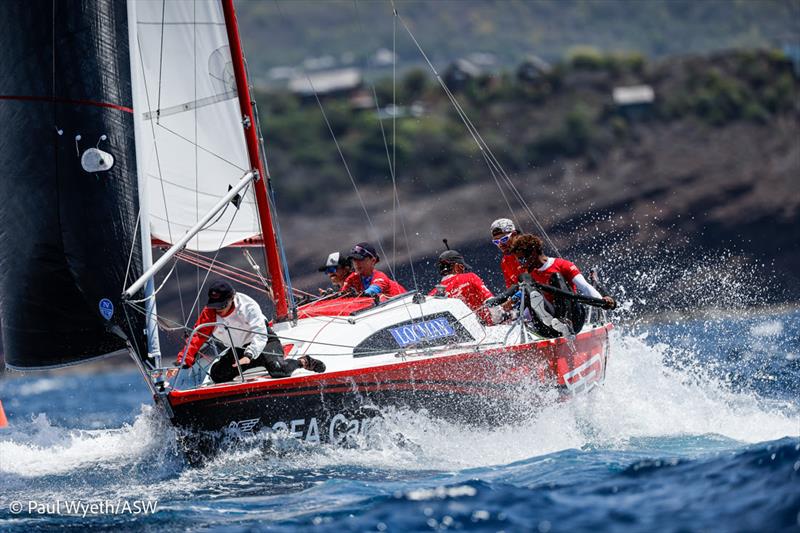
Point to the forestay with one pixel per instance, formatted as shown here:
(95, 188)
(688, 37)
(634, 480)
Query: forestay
(189, 127)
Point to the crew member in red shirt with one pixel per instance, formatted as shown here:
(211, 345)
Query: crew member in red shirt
(366, 280)
(458, 283)
(528, 249)
(503, 234)
(559, 273)
(552, 314)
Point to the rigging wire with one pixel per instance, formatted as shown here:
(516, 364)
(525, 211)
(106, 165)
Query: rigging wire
(219, 249)
(155, 144)
(196, 159)
(391, 160)
(489, 156)
(341, 156)
(155, 292)
(133, 247)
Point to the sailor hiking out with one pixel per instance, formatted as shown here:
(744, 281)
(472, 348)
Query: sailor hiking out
(552, 312)
(241, 322)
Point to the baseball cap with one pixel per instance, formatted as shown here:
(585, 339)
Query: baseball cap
(502, 225)
(219, 293)
(363, 250)
(453, 256)
(335, 259)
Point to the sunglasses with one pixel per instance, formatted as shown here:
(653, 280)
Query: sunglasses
(502, 240)
(330, 270)
(362, 251)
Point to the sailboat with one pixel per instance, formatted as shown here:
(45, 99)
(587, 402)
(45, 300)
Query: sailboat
(129, 124)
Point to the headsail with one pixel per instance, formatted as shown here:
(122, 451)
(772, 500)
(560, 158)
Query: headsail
(193, 144)
(68, 222)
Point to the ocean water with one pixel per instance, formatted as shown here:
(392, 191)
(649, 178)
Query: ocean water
(697, 428)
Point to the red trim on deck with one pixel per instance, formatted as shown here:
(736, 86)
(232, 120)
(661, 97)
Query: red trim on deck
(341, 306)
(60, 100)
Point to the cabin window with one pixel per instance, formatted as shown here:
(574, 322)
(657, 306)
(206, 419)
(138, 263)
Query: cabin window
(438, 329)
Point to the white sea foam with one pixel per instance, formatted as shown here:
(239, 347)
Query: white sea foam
(770, 328)
(39, 448)
(40, 386)
(643, 397)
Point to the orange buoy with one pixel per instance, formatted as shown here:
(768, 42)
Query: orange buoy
(3, 419)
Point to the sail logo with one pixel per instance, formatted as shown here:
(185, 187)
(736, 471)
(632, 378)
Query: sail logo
(106, 308)
(422, 331)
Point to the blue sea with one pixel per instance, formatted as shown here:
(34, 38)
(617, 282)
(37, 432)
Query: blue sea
(697, 428)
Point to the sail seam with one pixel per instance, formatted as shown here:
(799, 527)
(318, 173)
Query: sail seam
(61, 100)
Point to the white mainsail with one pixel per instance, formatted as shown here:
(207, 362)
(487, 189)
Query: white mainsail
(190, 140)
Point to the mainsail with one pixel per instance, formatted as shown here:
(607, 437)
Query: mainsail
(68, 221)
(122, 121)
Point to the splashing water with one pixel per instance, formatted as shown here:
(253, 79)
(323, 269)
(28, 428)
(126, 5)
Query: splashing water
(669, 403)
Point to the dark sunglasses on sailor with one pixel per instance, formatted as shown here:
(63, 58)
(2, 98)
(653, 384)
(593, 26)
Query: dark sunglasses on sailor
(502, 240)
(362, 251)
(445, 267)
(330, 270)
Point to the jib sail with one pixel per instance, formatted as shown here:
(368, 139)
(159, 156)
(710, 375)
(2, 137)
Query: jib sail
(68, 183)
(191, 138)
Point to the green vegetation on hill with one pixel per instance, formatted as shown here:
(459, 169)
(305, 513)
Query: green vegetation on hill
(566, 113)
(283, 32)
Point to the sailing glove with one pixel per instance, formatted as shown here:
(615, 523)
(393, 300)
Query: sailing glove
(610, 303)
(372, 290)
(495, 300)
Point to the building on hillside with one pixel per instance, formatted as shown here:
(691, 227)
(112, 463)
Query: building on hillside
(634, 101)
(345, 81)
(460, 72)
(533, 68)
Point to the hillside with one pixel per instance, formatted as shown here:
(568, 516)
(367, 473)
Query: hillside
(283, 33)
(710, 166)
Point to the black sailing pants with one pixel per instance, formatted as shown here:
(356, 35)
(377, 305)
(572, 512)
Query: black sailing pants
(224, 369)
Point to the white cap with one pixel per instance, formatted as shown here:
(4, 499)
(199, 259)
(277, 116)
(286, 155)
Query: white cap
(332, 261)
(503, 224)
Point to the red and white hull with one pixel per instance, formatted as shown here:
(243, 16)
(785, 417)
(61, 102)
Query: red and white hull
(484, 382)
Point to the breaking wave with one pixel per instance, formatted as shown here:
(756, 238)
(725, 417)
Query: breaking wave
(646, 396)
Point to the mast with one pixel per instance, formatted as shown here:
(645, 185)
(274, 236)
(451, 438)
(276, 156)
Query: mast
(153, 344)
(271, 252)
